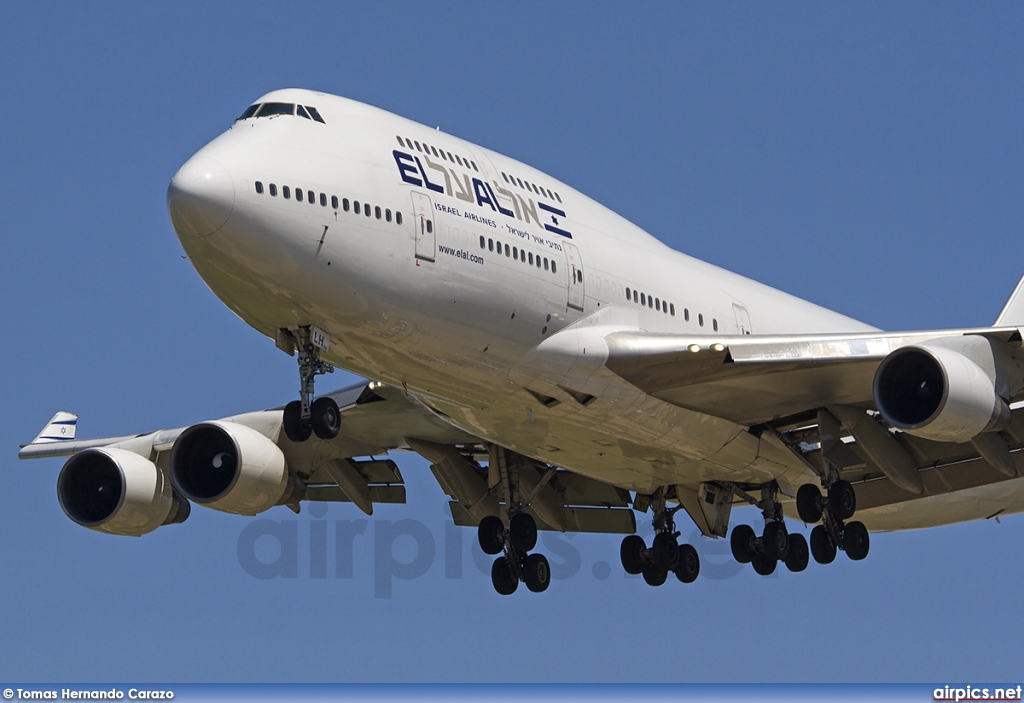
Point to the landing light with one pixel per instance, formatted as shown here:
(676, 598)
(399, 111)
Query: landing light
(719, 347)
(695, 348)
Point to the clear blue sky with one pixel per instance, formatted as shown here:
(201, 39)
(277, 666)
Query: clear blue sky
(866, 157)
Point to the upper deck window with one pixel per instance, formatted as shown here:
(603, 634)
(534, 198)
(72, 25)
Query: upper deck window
(270, 109)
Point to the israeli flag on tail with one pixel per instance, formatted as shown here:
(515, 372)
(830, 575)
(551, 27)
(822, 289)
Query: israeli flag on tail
(60, 428)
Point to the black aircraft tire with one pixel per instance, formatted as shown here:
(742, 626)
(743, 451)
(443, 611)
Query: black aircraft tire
(326, 418)
(294, 428)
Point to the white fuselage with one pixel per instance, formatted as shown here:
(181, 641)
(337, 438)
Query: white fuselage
(490, 300)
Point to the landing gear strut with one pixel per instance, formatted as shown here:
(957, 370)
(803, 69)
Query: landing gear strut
(665, 555)
(306, 416)
(513, 544)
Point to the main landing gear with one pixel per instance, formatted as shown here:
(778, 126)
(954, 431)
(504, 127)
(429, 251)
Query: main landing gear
(832, 535)
(514, 544)
(665, 554)
(774, 545)
(833, 510)
(306, 416)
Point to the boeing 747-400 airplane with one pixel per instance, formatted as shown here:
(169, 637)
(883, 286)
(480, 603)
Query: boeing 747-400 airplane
(560, 368)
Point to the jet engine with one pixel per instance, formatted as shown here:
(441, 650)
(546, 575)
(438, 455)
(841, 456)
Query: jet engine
(935, 392)
(119, 492)
(233, 468)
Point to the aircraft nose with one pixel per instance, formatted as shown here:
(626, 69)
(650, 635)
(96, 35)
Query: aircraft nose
(200, 197)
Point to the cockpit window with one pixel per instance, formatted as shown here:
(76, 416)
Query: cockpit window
(316, 115)
(269, 109)
(249, 112)
(301, 112)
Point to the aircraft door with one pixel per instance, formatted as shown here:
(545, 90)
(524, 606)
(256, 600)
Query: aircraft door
(575, 271)
(742, 319)
(426, 239)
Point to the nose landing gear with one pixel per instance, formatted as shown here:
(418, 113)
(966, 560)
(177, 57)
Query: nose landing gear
(305, 416)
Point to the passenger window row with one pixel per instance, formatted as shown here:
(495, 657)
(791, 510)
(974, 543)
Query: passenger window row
(664, 306)
(514, 252)
(526, 185)
(343, 204)
(439, 153)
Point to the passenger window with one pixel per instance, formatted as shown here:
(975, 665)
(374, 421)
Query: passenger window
(441, 154)
(286, 192)
(430, 226)
(400, 142)
(714, 324)
(546, 264)
(311, 197)
(355, 206)
(515, 253)
(657, 304)
(387, 215)
(302, 112)
(507, 252)
(700, 319)
(323, 200)
(259, 187)
(554, 268)
(627, 294)
(298, 194)
(334, 202)
(344, 204)
(636, 297)
(433, 150)
(450, 158)
(474, 165)
(490, 245)
(504, 176)
(273, 189)
(376, 212)
(530, 256)
(558, 197)
(483, 242)
(538, 260)
(398, 218)
(686, 314)
(417, 146)
(643, 299)
(672, 309)
(366, 211)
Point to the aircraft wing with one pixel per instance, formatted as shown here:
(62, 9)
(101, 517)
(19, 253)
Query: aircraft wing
(816, 395)
(756, 379)
(375, 419)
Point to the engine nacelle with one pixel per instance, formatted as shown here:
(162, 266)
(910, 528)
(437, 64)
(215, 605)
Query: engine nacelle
(119, 492)
(233, 468)
(937, 393)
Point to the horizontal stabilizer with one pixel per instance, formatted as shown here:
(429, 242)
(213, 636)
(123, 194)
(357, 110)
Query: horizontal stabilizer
(60, 428)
